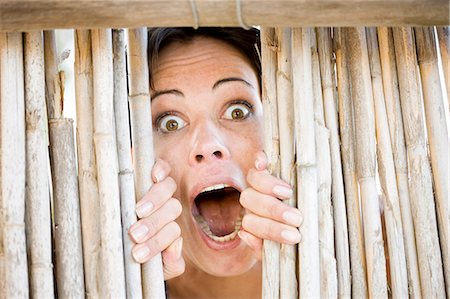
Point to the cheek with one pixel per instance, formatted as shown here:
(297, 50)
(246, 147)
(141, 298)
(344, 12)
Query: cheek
(171, 151)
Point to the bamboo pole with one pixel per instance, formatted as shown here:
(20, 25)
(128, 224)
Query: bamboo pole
(429, 256)
(271, 249)
(444, 46)
(67, 235)
(346, 123)
(87, 168)
(32, 14)
(143, 154)
(328, 270)
(394, 115)
(392, 214)
(288, 279)
(38, 221)
(324, 44)
(438, 137)
(112, 264)
(67, 230)
(309, 271)
(53, 94)
(362, 99)
(12, 172)
(126, 175)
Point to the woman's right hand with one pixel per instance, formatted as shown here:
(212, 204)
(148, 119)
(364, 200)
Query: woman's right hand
(156, 230)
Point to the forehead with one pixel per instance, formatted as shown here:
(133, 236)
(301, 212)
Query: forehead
(206, 57)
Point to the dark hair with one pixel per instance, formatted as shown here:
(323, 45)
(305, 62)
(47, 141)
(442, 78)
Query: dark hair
(246, 41)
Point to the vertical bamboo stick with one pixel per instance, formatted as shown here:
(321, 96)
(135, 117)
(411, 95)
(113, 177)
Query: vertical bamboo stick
(309, 271)
(288, 280)
(393, 110)
(113, 272)
(87, 168)
(52, 79)
(362, 99)
(429, 256)
(143, 155)
(392, 214)
(67, 234)
(126, 175)
(337, 187)
(328, 271)
(38, 221)
(355, 231)
(12, 172)
(444, 45)
(438, 137)
(68, 249)
(271, 249)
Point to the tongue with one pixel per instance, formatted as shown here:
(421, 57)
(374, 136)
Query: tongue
(220, 210)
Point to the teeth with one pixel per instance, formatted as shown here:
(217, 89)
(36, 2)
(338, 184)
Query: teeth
(204, 225)
(214, 187)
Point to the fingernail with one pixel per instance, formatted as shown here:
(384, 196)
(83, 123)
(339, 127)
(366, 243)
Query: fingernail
(139, 232)
(159, 175)
(291, 236)
(282, 191)
(258, 165)
(293, 218)
(141, 253)
(144, 209)
(179, 247)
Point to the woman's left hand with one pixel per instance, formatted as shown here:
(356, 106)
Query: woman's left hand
(267, 217)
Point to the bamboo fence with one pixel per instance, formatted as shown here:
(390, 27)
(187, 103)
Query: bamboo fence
(352, 115)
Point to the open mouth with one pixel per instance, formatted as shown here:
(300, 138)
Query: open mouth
(218, 212)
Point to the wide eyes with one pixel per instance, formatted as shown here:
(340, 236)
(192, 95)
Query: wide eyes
(171, 123)
(236, 112)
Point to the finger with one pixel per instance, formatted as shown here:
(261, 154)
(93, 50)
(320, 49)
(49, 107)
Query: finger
(145, 251)
(266, 183)
(147, 227)
(261, 161)
(269, 229)
(253, 242)
(173, 261)
(270, 207)
(155, 197)
(160, 170)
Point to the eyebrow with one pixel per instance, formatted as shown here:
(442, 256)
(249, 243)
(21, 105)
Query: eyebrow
(216, 85)
(167, 91)
(231, 79)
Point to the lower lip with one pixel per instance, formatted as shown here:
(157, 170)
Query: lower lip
(216, 245)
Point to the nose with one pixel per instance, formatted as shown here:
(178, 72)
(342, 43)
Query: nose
(207, 145)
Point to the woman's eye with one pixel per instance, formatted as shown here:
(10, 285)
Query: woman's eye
(171, 123)
(237, 111)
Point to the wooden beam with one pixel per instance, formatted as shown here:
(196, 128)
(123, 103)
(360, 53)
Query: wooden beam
(23, 15)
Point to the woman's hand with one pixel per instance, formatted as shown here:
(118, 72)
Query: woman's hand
(156, 231)
(267, 217)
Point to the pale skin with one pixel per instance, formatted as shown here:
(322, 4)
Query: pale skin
(208, 130)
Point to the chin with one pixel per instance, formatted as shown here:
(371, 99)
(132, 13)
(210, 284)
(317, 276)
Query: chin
(224, 263)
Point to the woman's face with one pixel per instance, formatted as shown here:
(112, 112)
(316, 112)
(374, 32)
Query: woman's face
(207, 120)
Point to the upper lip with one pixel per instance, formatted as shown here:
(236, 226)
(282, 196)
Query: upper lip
(229, 181)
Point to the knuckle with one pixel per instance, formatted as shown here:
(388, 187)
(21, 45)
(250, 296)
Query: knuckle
(246, 221)
(250, 175)
(244, 198)
(272, 230)
(176, 229)
(274, 209)
(171, 184)
(153, 224)
(175, 206)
